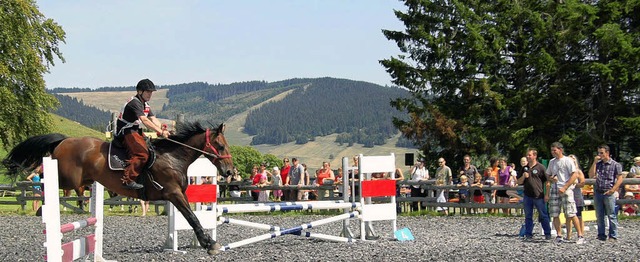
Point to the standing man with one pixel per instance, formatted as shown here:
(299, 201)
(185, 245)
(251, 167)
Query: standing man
(562, 175)
(296, 173)
(135, 112)
(534, 179)
(443, 174)
(468, 170)
(284, 174)
(608, 175)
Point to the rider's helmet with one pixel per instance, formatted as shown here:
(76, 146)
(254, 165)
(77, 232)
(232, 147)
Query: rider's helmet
(145, 85)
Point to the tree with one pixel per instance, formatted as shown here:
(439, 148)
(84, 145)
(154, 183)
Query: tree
(498, 76)
(28, 44)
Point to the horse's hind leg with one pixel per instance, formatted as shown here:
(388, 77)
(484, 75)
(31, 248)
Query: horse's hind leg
(180, 202)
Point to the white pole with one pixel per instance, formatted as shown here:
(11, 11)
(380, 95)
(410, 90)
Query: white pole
(226, 220)
(289, 231)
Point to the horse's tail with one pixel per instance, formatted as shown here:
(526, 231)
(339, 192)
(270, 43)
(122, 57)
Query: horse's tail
(28, 154)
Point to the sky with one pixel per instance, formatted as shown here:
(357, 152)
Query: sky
(117, 43)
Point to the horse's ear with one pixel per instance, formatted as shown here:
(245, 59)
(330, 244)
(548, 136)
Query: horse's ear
(221, 128)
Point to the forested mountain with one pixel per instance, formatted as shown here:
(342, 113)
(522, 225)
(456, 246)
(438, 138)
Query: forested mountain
(217, 103)
(359, 112)
(88, 116)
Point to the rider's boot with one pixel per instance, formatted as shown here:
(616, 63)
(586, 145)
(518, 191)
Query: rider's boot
(129, 183)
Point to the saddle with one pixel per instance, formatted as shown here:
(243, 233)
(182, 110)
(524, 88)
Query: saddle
(118, 156)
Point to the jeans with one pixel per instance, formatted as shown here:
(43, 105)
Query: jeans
(543, 216)
(605, 206)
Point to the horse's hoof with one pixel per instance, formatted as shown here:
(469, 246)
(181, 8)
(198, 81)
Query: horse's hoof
(214, 250)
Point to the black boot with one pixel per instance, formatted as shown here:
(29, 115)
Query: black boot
(132, 185)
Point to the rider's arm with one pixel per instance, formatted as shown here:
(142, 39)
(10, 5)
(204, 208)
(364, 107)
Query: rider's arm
(154, 124)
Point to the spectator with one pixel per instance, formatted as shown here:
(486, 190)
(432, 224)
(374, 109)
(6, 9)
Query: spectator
(463, 192)
(440, 197)
(468, 170)
(263, 195)
(579, 198)
(339, 183)
(562, 174)
(629, 209)
(397, 175)
(277, 181)
(534, 179)
(284, 174)
(490, 178)
(37, 189)
(609, 176)
(418, 173)
(635, 169)
(306, 178)
(444, 175)
(145, 207)
(234, 190)
(255, 180)
(505, 180)
(324, 175)
(355, 175)
(222, 189)
(477, 193)
(296, 178)
(634, 189)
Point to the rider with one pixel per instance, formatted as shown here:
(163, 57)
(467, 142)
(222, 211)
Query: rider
(135, 112)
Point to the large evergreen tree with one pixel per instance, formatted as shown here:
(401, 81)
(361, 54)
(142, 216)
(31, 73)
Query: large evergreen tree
(499, 76)
(28, 44)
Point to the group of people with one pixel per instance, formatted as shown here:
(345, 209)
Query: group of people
(550, 190)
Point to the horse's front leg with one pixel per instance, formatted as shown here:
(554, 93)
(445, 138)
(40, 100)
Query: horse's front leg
(180, 202)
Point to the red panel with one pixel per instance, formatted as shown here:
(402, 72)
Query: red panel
(91, 244)
(378, 188)
(67, 251)
(201, 193)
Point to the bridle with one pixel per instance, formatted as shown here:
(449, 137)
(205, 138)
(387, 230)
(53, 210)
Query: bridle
(215, 154)
(208, 144)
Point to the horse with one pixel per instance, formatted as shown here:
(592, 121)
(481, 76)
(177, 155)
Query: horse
(81, 161)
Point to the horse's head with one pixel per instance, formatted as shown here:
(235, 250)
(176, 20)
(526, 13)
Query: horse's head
(218, 149)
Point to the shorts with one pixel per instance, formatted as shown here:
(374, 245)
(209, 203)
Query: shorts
(566, 201)
(579, 212)
(37, 191)
(502, 193)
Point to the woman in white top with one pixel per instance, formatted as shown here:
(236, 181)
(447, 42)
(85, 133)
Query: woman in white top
(418, 173)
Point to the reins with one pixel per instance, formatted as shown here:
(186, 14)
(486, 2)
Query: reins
(208, 144)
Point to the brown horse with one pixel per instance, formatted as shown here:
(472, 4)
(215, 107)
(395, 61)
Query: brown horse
(81, 161)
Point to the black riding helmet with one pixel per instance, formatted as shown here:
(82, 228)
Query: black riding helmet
(145, 85)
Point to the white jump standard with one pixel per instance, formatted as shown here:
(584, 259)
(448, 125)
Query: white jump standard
(81, 247)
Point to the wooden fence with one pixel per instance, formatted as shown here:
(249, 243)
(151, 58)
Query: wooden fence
(22, 191)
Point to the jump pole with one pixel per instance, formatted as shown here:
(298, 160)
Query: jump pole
(293, 230)
(82, 247)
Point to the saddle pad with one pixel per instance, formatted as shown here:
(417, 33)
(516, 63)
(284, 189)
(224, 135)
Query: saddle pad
(117, 157)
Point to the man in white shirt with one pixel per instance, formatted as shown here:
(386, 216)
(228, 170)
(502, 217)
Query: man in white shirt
(562, 174)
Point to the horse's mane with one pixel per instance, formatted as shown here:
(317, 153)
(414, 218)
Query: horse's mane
(185, 131)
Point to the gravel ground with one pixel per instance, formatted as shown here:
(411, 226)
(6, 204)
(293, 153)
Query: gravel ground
(437, 238)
